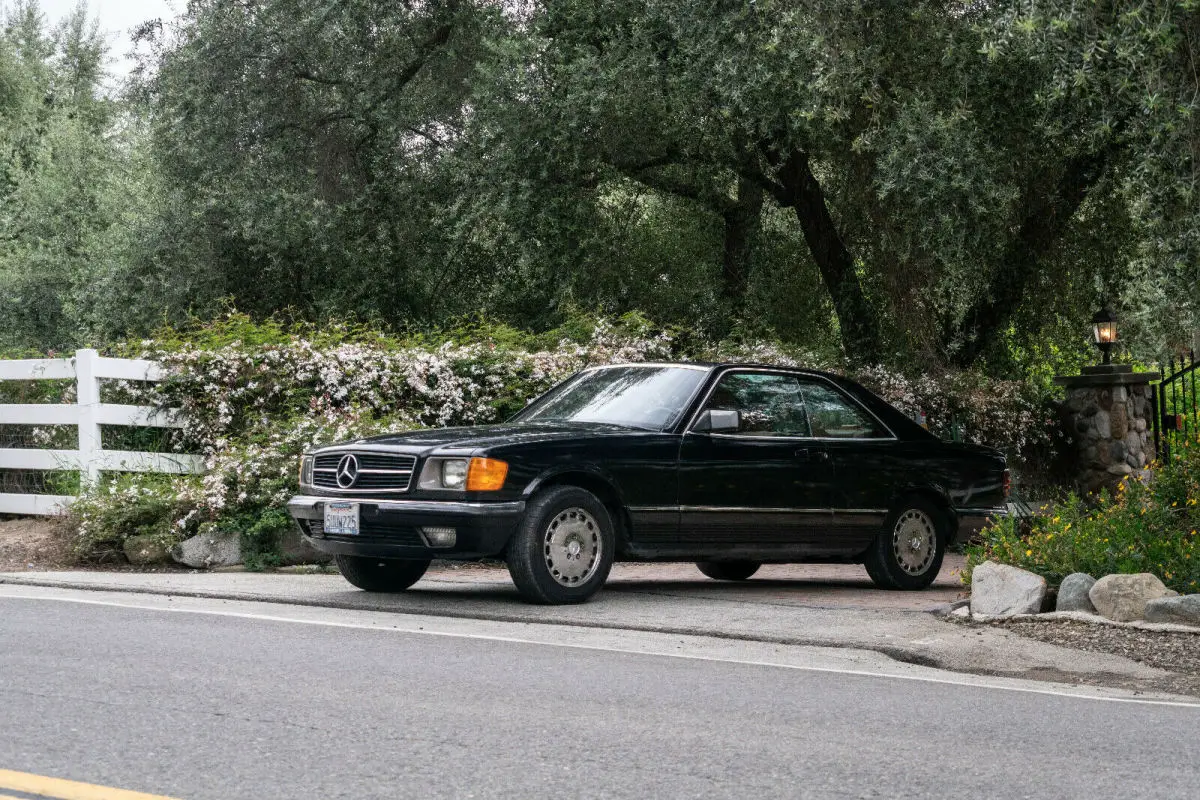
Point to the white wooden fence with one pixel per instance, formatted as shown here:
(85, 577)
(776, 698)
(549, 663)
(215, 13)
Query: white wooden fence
(87, 414)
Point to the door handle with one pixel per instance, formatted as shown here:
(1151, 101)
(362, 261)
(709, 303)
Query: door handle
(805, 454)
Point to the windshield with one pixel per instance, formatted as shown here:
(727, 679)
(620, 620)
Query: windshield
(633, 396)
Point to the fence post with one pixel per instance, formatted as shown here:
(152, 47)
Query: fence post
(88, 391)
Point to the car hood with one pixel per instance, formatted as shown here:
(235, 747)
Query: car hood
(481, 436)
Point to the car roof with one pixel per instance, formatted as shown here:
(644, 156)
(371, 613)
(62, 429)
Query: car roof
(892, 417)
(722, 365)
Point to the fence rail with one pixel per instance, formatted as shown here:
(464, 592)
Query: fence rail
(87, 414)
(1177, 403)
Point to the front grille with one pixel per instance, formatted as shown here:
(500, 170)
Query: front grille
(377, 472)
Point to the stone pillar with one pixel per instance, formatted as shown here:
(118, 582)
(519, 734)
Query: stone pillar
(1107, 414)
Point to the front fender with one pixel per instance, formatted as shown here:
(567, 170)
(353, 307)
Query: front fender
(588, 473)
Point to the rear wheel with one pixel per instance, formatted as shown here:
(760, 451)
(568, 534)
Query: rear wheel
(563, 549)
(381, 574)
(728, 570)
(907, 553)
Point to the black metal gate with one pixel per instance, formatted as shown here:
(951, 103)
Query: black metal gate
(1176, 414)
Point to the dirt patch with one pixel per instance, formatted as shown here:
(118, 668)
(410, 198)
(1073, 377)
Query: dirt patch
(33, 543)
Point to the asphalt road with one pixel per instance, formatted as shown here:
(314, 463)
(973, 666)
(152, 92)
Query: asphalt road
(222, 699)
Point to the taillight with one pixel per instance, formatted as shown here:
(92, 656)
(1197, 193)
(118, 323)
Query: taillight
(1007, 484)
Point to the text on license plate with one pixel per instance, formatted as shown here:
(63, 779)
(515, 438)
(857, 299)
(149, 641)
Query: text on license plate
(341, 519)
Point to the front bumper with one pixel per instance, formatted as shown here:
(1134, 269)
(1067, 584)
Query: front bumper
(392, 528)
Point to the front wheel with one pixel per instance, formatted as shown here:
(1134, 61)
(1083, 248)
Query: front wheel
(728, 570)
(381, 574)
(563, 549)
(907, 553)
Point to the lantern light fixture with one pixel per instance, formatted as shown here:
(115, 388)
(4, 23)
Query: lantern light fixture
(1104, 331)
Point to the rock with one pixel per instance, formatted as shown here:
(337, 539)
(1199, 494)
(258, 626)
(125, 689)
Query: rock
(1123, 597)
(1120, 469)
(209, 549)
(1119, 422)
(1119, 395)
(146, 549)
(1073, 593)
(1102, 424)
(1000, 590)
(1184, 610)
(293, 549)
(964, 612)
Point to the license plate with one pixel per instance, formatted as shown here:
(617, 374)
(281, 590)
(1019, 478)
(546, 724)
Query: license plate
(341, 519)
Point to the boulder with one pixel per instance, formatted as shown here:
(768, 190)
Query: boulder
(1000, 590)
(1123, 597)
(146, 549)
(209, 549)
(1183, 610)
(1073, 593)
(293, 549)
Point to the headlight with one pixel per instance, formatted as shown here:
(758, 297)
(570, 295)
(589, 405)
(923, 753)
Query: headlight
(306, 468)
(454, 473)
(458, 474)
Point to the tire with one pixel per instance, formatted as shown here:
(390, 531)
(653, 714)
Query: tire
(728, 570)
(907, 553)
(381, 574)
(563, 548)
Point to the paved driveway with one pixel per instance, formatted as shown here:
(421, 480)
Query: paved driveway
(810, 585)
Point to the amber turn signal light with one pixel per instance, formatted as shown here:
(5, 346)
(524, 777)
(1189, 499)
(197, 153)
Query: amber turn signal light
(486, 474)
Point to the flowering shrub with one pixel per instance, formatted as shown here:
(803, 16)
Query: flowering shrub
(165, 507)
(1149, 526)
(257, 395)
(1009, 415)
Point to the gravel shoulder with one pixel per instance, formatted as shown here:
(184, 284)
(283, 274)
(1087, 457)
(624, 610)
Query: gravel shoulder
(1178, 653)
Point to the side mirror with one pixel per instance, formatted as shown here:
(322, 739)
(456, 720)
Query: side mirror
(715, 420)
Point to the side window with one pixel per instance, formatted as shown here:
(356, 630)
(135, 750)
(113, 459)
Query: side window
(836, 417)
(769, 405)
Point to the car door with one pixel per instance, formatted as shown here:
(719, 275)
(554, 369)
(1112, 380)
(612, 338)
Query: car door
(865, 466)
(763, 490)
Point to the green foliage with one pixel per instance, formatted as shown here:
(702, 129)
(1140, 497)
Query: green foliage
(261, 535)
(928, 183)
(1149, 526)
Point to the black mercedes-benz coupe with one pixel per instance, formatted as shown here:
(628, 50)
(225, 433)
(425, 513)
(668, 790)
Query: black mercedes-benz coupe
(728, 465)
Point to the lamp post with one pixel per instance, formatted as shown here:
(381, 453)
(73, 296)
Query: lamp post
(1104, 329)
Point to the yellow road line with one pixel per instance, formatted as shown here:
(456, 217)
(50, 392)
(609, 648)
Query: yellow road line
(65, 790)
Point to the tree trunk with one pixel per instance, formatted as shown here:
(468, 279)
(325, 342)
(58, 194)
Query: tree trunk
(1044, 224)
(799, 190)
(742, 224)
